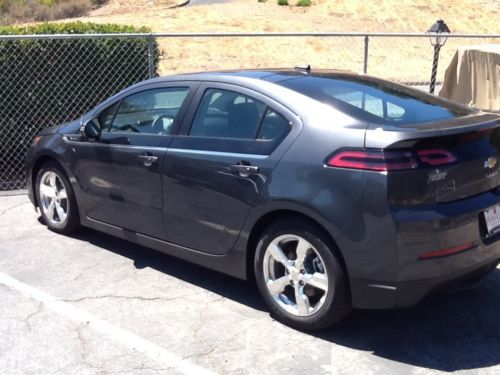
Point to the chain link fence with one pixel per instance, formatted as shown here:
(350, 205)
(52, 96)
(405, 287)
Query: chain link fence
(48, 80)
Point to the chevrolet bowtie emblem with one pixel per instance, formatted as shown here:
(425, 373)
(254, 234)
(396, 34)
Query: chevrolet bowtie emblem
(490, 163)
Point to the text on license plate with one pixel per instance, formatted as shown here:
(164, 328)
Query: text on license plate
(492, 218)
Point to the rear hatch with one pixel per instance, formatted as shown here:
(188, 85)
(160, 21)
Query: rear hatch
(442, 161)
(433, 150)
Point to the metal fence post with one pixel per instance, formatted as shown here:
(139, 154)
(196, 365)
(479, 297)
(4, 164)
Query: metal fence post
(365, 64)
(151, 57)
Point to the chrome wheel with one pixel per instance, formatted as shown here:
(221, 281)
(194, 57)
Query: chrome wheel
(295, 275)
(53, 198)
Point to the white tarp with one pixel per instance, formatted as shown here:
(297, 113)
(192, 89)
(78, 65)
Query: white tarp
(473, 77)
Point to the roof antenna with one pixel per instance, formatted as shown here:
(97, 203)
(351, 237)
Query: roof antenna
(307, 68)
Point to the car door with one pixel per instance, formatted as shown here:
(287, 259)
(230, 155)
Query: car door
(121, 173)
(220, 163)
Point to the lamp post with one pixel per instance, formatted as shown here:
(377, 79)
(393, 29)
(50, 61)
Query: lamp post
(437, 42)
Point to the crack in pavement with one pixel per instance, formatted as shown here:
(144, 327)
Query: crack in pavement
(26, 318)
(200, 355)
(38, 310)
(133, 342)
(212, 348)
(84, 351)
(140, 298)
(102, 368)
(216, 349)
(80, 274)
(207, 354)
(148, 368)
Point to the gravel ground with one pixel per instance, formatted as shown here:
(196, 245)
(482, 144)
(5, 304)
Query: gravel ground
(93, 304)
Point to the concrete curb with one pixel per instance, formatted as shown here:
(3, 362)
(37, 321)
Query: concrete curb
(7, 193)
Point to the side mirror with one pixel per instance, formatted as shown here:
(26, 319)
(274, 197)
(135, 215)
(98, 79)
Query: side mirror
(92, 129)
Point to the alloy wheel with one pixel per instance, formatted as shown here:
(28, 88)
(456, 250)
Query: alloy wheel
(53, 198)
(295, 275)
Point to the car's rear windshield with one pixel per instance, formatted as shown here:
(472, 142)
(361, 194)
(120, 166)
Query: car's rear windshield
(376, 101)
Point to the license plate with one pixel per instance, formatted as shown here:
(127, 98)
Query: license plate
(492, 218)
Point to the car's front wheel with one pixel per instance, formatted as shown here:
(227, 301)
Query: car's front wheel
(300, 276)
(56, 199)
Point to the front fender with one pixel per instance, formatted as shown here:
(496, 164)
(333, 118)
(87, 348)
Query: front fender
(51, 147)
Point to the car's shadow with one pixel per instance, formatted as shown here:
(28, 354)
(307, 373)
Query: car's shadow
(447, 332)
(227, 286)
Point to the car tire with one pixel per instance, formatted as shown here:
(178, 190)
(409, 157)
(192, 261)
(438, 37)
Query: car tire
(313, 276)
(56, 199)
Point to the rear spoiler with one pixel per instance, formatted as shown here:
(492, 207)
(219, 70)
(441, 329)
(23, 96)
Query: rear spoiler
(383, 136)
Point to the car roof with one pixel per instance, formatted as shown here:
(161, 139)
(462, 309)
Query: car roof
(259, 78)
(270, 75)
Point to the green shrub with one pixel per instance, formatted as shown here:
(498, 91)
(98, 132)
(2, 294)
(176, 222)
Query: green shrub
(304, 3)
(282, 2)
(72, 28)
(45, 82)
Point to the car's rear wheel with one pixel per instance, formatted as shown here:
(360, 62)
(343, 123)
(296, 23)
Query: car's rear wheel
(300, 276)
(56, 199)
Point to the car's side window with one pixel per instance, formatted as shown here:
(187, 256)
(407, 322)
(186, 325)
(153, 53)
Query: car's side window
(274, 126)
(151, 112)
(394, 111)
(106, 117)
(227, 114)
(377, 106)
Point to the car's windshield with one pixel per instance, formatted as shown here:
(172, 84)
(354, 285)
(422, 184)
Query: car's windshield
(375, 102)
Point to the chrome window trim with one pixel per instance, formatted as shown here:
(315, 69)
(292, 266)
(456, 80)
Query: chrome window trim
(216, 153)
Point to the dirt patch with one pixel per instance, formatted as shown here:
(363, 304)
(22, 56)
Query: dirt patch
(406, 59)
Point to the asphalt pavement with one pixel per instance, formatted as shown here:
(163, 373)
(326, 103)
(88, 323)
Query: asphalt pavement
(206, 2)
(94, 304)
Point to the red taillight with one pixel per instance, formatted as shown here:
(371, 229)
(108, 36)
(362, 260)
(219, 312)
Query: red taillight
(436, 157)
(449, 251)
(373, 160)
(388, 160)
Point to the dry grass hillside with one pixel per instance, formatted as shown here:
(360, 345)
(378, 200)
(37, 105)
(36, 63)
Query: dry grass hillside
(398, 58)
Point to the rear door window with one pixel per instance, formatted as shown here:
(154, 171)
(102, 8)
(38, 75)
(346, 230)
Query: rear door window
(274, 126)
(227, 120)
(227, 114)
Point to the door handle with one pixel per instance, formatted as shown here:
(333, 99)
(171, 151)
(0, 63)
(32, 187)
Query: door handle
(148, 160)
(244, 170)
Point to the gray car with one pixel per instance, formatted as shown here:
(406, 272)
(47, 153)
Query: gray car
(333, 190)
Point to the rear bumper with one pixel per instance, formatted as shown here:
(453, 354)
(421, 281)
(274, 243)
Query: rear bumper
(371, 294)
(419, 230)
